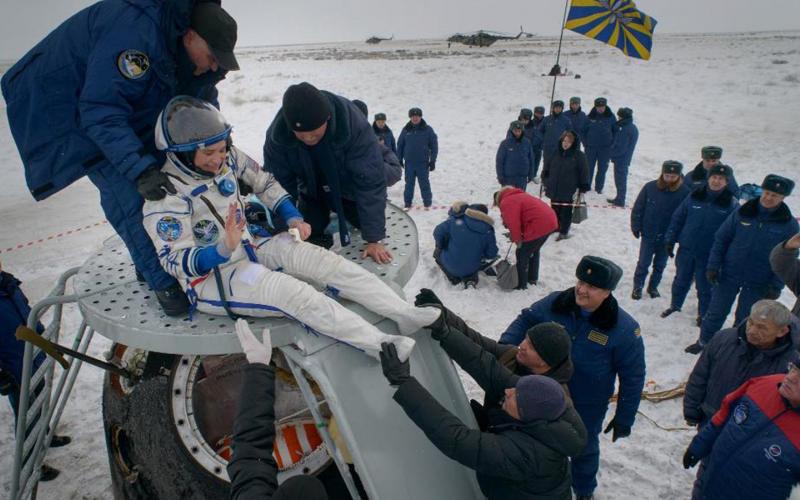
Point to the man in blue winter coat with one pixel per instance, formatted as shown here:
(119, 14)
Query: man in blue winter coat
(698, 176)
(626, 134)
(577, 118)
(324, 154)
(650, 218)
(751, 446)
(692, 227)
(465, 242)
(514, 159)
(417, 148)
(551, 128)
(739, 260)
(606, 344)
(598, 137)
(85, 99)
(384, 133)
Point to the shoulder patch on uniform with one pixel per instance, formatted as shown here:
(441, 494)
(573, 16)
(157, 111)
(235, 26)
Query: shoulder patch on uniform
(133, 64)
(169, 228)
(638, 332)
(598, 338)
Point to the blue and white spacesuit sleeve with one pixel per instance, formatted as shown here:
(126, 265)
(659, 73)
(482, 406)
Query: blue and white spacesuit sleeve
(265, 186)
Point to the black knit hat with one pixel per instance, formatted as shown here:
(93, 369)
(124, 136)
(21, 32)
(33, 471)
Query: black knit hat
(600, 101)
(551, 341)
(305, 108)
(525, 113)
(539, 398)
(301, 486)
(557, 104)
(711, 152)
(625, 113)
(380, 116)
(778, 184)
(538, 109)
(362, 106)
(414, 112)
(598, 272)
(218, 29)
(671, 167)
(721, 169)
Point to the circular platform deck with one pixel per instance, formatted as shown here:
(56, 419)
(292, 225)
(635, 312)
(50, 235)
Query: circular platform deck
(126, 311)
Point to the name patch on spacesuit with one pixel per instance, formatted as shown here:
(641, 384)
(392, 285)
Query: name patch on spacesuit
(133, 64)
(205, 231)
(169, 228)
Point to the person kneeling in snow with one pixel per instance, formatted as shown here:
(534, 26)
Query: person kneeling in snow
(523, 449)
(202, 239)
(465, 243)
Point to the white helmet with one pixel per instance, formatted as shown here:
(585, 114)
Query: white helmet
(187, 124)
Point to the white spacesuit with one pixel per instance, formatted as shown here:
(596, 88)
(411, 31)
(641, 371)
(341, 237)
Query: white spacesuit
(261, 276)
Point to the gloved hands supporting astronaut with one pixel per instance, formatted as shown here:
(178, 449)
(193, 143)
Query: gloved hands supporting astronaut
(256, 352)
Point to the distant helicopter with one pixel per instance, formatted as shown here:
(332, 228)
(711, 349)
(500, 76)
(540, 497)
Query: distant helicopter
(483, 38)
(374, 40)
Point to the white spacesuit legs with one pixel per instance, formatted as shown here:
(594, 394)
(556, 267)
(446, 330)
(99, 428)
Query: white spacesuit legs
(253, 290)
(351, 281)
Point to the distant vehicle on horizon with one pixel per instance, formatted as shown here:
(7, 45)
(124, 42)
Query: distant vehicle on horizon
(484, 38)
(374, 40)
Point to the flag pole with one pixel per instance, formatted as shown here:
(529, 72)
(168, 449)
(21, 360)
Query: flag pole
(558, 54)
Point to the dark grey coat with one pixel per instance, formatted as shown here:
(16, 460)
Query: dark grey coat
(727, 362)
(786, 266)
(513, 460)
(566, 172)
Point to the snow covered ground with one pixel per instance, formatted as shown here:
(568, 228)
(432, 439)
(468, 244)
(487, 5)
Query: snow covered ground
(740, 91)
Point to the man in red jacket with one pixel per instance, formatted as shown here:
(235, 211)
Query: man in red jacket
(530, 221)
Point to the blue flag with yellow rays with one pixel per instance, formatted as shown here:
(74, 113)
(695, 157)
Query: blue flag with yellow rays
(615, 22)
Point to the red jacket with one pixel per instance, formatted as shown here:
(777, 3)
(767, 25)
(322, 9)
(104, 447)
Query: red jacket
(527, 217)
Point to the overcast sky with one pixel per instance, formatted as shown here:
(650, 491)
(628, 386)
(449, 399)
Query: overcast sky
(274, 22)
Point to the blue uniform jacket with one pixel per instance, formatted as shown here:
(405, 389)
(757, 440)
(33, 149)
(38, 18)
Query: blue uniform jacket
(744, 241)
(654, 207)
(514, 159)
(625, 136)
(466, 237)
(605, 344)
(751, 444)
(90, 92)
(417, 145)
(551, 129)
(600, 129)
(579, 120)
(355, 156)
(697, 219)
(698, 177)
(387, 135)
(534, 135)
(14, 311)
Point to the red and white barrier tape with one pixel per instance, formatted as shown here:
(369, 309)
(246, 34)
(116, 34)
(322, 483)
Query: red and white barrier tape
(52, 237)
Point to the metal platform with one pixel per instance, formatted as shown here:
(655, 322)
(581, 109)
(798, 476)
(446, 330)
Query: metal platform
(126, 311)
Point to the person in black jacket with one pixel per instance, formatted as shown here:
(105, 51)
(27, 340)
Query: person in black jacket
(252, 469)
(522, 450)
(565, 172)
(786, 266)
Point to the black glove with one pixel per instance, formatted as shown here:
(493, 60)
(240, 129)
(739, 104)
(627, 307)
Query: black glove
(395, 371)
(636, 234)
(426, 297)
(689, 460)
(8, 383)
(481, 415)
(712, 276)
(670, 248)
(693, 417)
(431, 166)
(620, 431)
(772, 293)
(154, 184)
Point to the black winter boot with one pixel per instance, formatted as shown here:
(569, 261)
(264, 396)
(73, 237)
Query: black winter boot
(695, 348)
(173, 301)
(48, 473)
(666, 312)
(59, 441)
(636, 294)
(653, 293)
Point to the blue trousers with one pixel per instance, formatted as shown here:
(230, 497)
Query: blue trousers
(517, 182)
(620, 182)
(688, 267)
(122, 205)
(599, 156)
(650, 251)
(417, 173)
(585, 465)
(722, 297)
(537, 158)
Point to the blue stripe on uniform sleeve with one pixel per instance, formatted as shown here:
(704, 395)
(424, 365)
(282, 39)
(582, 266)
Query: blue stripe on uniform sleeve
(206, 258)
(287, 210)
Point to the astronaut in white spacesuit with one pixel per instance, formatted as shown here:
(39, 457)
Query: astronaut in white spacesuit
(202, 238)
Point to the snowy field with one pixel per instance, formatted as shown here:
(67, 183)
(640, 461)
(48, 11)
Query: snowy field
(740, 91)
